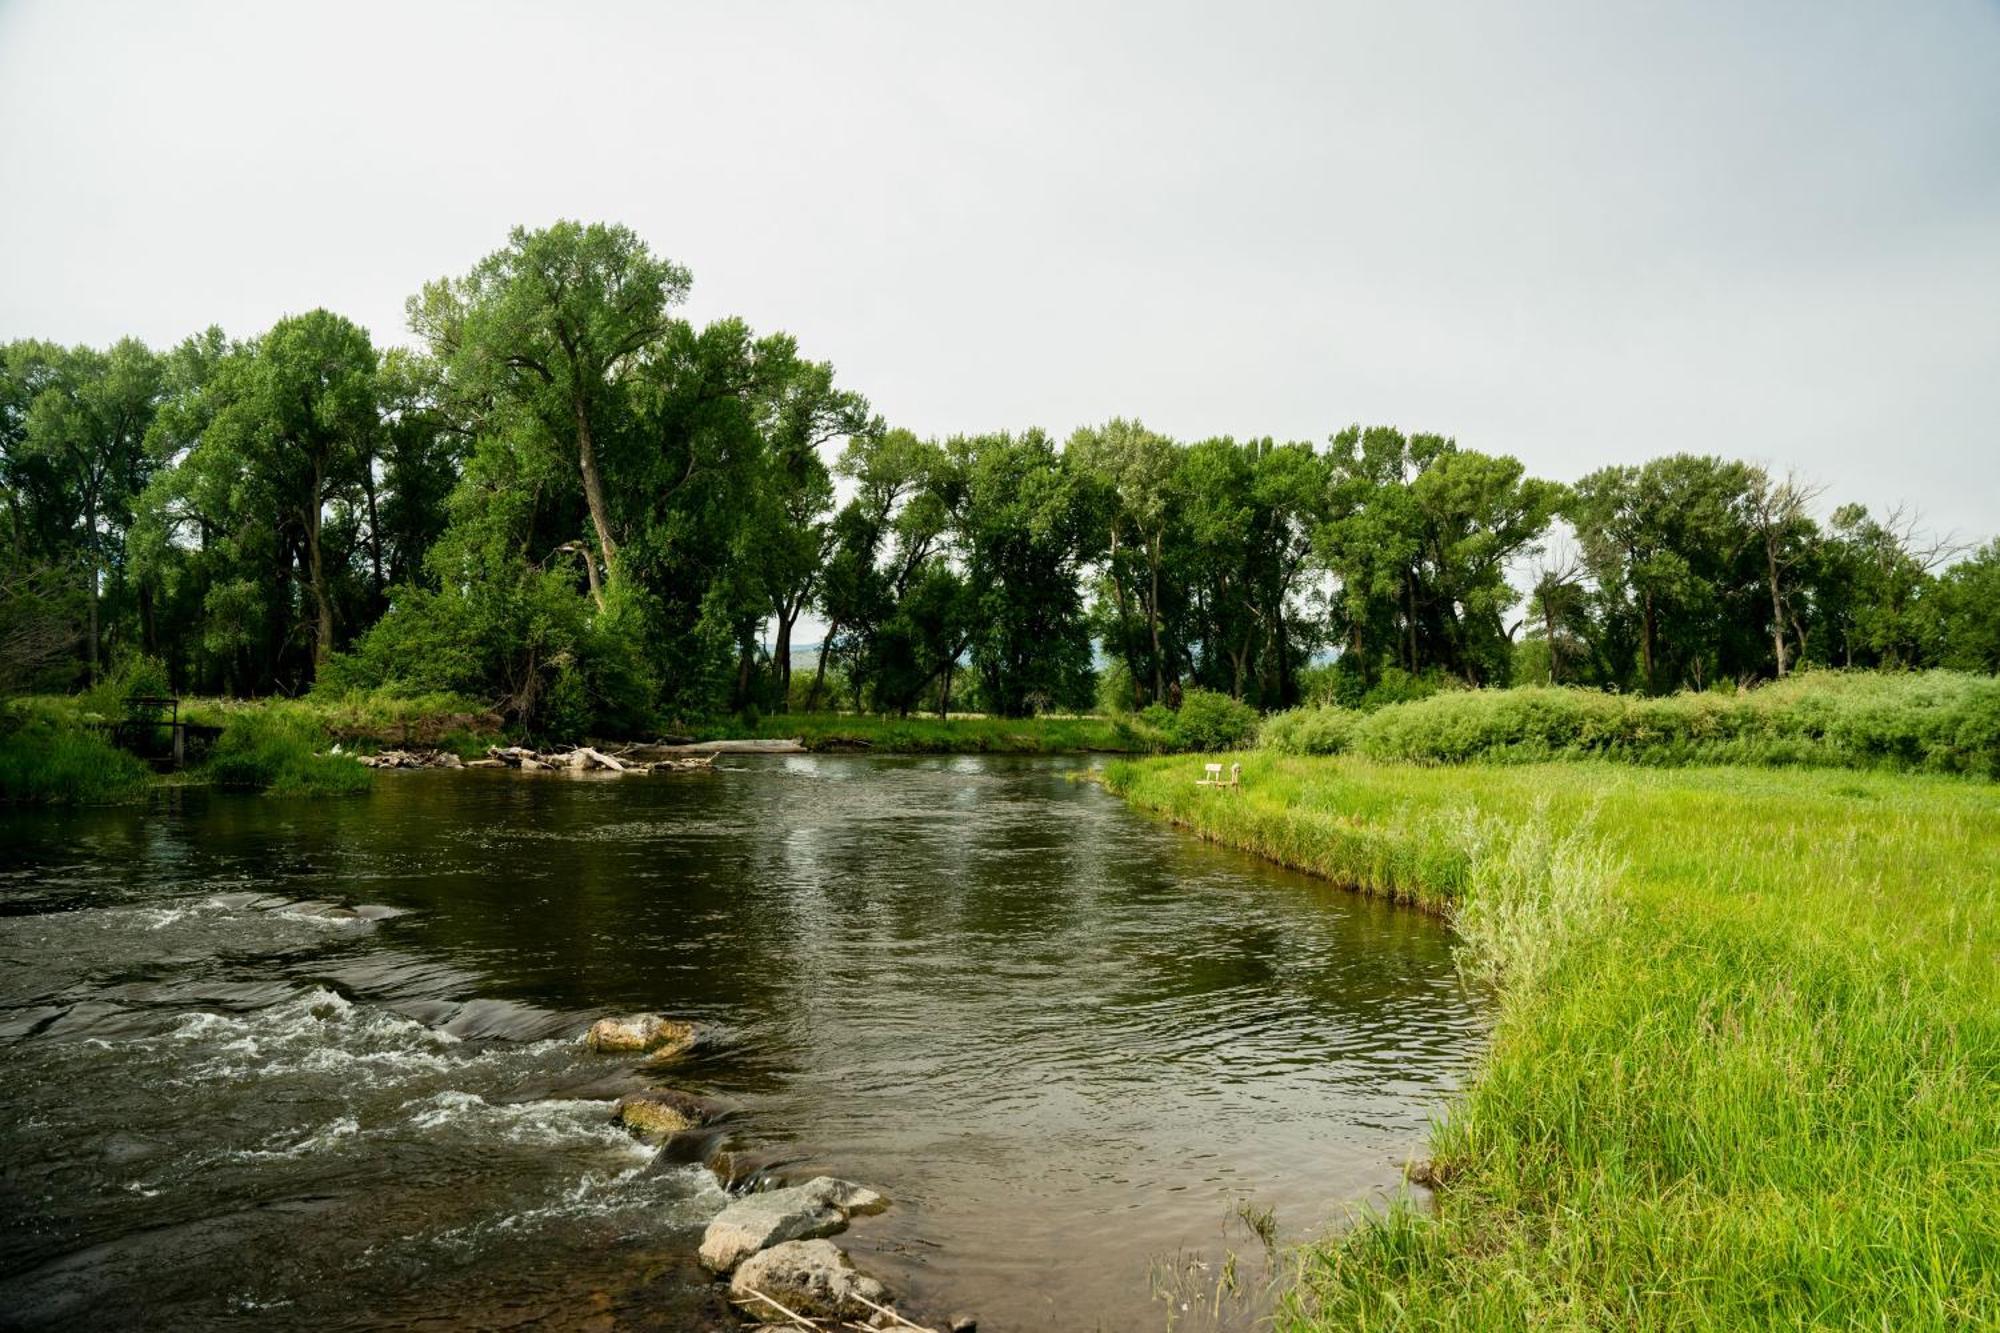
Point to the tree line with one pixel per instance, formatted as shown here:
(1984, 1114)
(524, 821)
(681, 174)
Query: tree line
(571, 501)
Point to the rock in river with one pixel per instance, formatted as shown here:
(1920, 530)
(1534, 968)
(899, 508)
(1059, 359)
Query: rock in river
(815, 1278)
(756, 1222)
(653, 1033)
(658, 1112)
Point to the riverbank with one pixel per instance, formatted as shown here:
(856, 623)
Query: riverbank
(962, 733)
(54, 749)
(1748, 1045)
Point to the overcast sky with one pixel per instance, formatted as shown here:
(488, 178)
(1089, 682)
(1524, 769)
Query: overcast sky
(1578, 233)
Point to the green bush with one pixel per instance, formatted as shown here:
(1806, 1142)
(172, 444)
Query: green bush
(1309, 730)
(49, 757)
(134, 673)
(1339, 684)
(1208, 720)
(281, 749)
(1114, 690)
(1937, 722)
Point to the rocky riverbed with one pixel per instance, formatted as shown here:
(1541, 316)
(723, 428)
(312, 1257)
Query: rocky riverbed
(769, 1243)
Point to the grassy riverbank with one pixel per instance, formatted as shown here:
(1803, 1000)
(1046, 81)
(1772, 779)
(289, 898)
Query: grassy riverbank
(53, 749)
(1748, 1045)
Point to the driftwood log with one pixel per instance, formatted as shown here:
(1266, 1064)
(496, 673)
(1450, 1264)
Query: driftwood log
(581, 759)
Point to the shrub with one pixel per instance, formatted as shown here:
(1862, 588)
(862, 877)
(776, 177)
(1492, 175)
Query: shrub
(49, 757)
(1114, 690)
(1310, 730)
(1938, 722)
(1209, 720)
(278, 748)
(134, 673)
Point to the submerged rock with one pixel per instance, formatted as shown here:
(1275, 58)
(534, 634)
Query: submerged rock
(814, 1278)
(640, 1033)
(820, 1207)
(658, 1112)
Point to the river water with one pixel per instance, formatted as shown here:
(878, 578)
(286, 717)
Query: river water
(289, 1064)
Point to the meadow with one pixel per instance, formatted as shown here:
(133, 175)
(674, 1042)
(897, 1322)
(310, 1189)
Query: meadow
(1747, 1051)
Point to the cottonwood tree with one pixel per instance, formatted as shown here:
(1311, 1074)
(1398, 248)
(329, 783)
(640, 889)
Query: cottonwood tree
(305, 429)
(1779, 513)
(555, 324)
(1025, 530)
(1671, 547)
(1137, 467)
(86, 426)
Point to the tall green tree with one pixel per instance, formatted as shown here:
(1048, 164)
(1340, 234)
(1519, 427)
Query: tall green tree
(555, 325)
(1026, 530)
(1673, 548)
(86, 429)
(1136, 468)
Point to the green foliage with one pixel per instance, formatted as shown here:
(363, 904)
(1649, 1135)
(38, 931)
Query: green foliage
(1209, 721)
(957, 734)
(1965, 613)
(1114, 690)
(593, 515)
(49, 756)
(1738, 1075)
(133, 674)
(388, 717)
(1937, 722)
(1311, 729)
(281, 749)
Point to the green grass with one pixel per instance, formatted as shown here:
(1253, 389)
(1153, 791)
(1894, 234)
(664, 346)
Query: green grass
(1935, 722)
(282, 749)
(48, 756)
(373, 719)
(1746, 1065)
(929, 735)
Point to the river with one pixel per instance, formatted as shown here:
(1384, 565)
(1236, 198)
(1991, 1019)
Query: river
(291, 1064)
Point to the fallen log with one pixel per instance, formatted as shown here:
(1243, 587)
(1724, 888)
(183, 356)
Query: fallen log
(791, 745)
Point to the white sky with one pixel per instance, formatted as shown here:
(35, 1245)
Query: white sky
(1579, 233)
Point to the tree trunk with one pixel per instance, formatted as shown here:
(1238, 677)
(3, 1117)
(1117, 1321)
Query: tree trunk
(781, 660)
(96, 563)
(819, 667)
(745, 659)
(1153, 620)
(1124, 622)
(1777, 604)
(323, 624)
(1646, 641)
(1410, 619)
(1284, 648)
(374, 526)
(593, 494)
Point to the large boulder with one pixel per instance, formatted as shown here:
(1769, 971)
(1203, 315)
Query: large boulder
(820, 1207)
(658, 1112)
(660, 1036)
(814, 1278)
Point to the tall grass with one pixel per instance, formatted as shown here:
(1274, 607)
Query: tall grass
(1746, 1079)
(49, 756)
(1934, 722)
(283, 749)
